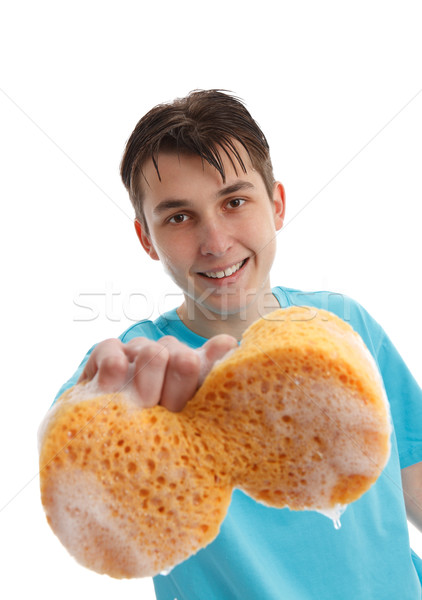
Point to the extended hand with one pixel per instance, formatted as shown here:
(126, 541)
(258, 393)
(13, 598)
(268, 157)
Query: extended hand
(164, 372)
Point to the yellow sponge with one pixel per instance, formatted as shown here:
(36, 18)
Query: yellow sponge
(296, 416)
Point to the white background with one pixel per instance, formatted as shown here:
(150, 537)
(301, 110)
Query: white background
(336, 87)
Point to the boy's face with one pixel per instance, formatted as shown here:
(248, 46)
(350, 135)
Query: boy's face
(216, 240)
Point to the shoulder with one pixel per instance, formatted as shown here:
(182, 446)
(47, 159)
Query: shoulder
(345, 307)
(148, 329)
(342, 305)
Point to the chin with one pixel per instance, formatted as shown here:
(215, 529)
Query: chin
(226, 309)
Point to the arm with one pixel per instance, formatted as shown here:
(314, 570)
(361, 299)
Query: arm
(412, 489)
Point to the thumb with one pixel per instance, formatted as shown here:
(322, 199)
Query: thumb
(214, 349)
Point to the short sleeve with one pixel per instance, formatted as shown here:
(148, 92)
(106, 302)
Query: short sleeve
(73, 380)
(403, 392)
(405, 398)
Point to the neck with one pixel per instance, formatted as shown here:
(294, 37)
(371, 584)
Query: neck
(207, 323)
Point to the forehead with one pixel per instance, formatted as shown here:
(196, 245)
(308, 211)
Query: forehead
(175, 169)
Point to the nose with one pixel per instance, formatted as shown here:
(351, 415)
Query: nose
(215, 239)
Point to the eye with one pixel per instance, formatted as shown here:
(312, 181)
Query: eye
(235, 202)
(180, 218)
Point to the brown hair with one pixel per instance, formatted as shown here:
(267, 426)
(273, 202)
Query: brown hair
(202, 123)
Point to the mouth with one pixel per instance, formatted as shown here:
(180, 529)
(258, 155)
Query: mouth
(226, 272)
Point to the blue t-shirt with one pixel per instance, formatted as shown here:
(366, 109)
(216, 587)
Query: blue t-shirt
(264, 553)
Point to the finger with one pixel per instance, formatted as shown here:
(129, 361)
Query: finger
(182, 376)
(89, 369)
(93, 361)
(109, 364)
(149, 371)
(134, 347)
(112, 372)
(214, 349)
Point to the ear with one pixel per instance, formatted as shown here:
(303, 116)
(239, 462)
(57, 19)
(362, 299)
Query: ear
(145, 240)
(279, 203)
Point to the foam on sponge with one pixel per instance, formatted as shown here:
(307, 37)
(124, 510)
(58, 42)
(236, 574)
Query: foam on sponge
(296, 416)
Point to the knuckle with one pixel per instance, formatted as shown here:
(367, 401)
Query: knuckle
(115, 363)
(154, 354)
(186, 363)
(168, 339)
(135, 342)
(110, 343)
(106, 348)
(134, 346)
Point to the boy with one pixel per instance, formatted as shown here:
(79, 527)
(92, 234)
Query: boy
(200, 178)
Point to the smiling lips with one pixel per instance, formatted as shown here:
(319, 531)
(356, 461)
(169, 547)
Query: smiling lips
(226, 272)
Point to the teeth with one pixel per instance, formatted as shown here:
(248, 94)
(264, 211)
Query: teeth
(226, 273)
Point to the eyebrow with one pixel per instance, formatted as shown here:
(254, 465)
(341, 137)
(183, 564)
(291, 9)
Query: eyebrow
(171, 204)
(235, 187)
(166, 205)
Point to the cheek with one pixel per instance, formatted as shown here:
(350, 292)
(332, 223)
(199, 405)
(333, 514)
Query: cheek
(168, 250)
(263, 236)
(174, 264)
(169, 265)
(268, 254)
(266, 247)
